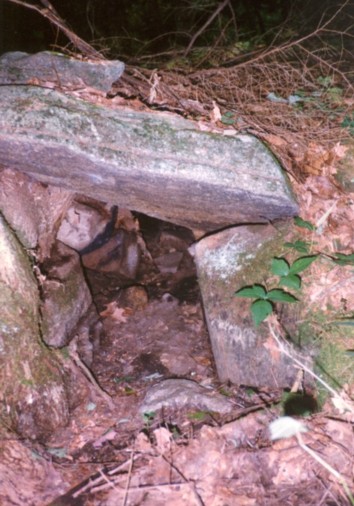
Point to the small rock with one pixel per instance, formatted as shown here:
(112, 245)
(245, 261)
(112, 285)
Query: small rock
(134, 297)
(182, 393)
(169, 263)
(120, 255)
(82, 224)
(66, 296)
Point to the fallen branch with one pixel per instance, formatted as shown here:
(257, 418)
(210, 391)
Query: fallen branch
(51, 14)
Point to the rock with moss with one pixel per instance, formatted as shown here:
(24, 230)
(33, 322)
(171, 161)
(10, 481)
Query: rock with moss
(244, 354)
(162, 165)
(32, 392)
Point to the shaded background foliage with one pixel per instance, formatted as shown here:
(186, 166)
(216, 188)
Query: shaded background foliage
(128, 29)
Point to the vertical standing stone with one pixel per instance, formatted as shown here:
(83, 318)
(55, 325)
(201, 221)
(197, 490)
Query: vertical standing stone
(227, 261)
(33, 398)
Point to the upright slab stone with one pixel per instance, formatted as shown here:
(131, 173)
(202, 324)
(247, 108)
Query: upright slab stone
(33, 396)
(226, 262)
(155, 163)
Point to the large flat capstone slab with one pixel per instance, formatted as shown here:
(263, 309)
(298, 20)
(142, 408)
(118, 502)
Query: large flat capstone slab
(155, 163)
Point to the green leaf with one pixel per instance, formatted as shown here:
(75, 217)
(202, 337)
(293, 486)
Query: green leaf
(278, 295)
(280, 267)
(251, 292)
(348, 121)
(291, 281)
(303, 224)
(300, 246)
(301, 264)
(342, 259)
(149, 416)
(260, 309)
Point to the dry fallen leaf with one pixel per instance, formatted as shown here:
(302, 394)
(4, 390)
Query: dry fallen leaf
(114, 312)
(339, 150)
(215, 114)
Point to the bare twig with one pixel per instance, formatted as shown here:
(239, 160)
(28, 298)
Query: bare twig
(77, 360)
(189, 482)
(126, 491)
(206, 24)
(50, 13)
(325, 464)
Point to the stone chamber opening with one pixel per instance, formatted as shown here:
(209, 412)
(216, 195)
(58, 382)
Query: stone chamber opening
(146, 323)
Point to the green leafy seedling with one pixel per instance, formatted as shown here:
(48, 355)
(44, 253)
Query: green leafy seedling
(300, 246)
(148, 418)
(348, 122)
(289, 273)
(263, 305)
(303, 223)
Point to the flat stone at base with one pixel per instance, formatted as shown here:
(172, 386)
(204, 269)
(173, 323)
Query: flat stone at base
(227, 261)
(182, 393)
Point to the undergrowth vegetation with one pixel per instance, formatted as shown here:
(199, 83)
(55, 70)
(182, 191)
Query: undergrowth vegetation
(287, 273)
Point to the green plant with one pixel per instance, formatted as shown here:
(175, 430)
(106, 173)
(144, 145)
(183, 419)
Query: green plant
(288, 276)
(289, 273)
(228, 118)
(341, 259)
(148, 418)
(300, 246)
(198, 416)
(263, 305)
(303, 223)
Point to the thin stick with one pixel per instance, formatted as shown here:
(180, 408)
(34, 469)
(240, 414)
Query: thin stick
(126, 491)
(206, 24)
(304, 367)
(325, 464)
(72, 348)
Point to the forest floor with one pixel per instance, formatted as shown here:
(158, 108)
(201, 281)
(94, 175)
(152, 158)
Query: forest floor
(118, 451)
